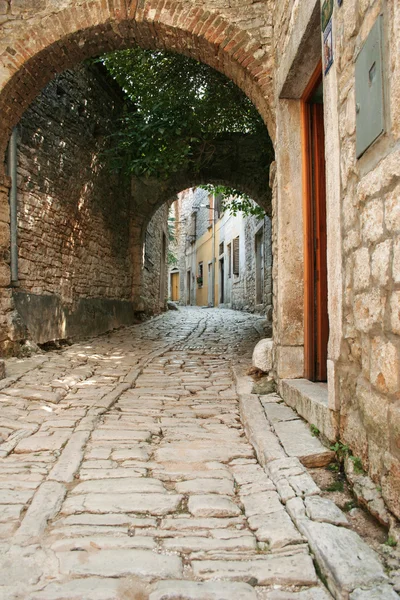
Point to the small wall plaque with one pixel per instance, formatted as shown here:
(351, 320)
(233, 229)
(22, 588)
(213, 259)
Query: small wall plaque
(369, 90)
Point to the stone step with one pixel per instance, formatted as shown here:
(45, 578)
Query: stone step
(311, 402)
(297, 440)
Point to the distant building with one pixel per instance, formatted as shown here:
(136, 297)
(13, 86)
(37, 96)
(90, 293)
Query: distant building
(238, 246)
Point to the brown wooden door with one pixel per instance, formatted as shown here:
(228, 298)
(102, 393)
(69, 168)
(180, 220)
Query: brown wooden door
(174, 286)
(316, 326)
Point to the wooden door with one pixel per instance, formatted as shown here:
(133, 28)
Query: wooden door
(260, 267)
(188, 287)
(175, 286)
(209, 285)
(316, 325)
(221, 281)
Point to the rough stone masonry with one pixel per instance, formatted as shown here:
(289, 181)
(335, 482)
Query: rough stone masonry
(271, 50)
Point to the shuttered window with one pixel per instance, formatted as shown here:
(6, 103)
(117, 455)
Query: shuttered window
(229, 260)
(235, 268)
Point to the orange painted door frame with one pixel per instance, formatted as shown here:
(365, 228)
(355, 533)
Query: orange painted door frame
(316, 325)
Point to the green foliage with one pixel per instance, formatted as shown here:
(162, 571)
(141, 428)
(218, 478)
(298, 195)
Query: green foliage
(391, 541)
(333, 467)
(171, 259)
(336, 486)
(235, 201)
(341, 450)
(350, 505)
(320, 573)
(314, 430)
(175, 107)
(358, 466)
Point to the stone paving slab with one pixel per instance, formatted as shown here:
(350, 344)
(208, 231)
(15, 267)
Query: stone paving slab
(212, 505)
(194, 590)
(152, 503)
(142, 472)
(314, 593)
(379, 592)
(345, 559)
(122, 486)
(90, 588)
(120, 563)
(278, 570)
(325, 511)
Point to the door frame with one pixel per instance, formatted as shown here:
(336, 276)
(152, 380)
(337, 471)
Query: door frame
(316, 328)
(222, 280)
(259, 248)
(188, 286)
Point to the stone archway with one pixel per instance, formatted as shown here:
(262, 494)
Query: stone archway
(34, 53)
(39, 44)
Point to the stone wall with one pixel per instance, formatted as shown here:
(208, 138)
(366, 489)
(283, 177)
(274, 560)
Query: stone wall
(73, 216)
(235, 38)
(155, 272)
(252, 226)
(363, 221)
(368, 369)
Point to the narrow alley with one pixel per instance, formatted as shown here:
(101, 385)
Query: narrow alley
(127, 473)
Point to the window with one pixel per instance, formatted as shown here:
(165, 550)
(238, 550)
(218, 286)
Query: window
(200, 275)
(229, 247)
(221, 248)
(236, 256)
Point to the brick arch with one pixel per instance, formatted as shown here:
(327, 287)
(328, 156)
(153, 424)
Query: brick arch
(63, 39)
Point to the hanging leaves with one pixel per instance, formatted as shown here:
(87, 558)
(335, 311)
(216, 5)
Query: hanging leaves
(174, 106)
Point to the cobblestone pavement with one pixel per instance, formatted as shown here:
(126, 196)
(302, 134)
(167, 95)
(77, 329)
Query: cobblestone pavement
(126, 473)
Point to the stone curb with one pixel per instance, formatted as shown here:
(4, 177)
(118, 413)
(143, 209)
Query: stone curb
(45, 505)
(258, 431)
(71, 458)
(345, 560)
(8, 381)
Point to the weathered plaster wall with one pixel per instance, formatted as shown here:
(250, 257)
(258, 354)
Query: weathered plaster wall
(73, 226)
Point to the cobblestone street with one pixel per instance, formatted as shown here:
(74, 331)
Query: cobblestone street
(126, 473)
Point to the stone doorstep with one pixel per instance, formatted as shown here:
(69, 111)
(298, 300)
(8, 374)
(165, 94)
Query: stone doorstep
(310, 400)
(297, 440)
